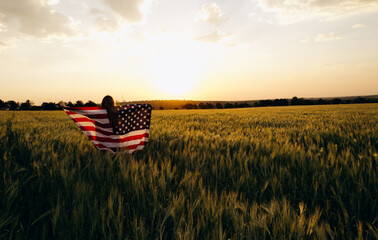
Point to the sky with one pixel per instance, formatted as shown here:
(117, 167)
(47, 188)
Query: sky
(52, 50)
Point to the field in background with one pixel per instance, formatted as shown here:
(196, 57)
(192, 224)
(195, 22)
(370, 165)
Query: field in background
(307, 172)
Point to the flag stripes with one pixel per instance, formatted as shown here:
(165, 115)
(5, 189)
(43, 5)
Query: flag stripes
(94, 122)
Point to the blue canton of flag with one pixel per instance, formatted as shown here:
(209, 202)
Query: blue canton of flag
(133, 118)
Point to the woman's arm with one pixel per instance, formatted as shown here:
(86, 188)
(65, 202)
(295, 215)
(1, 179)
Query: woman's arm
(62, 104)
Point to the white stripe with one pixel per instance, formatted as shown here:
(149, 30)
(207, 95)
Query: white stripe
(116, 137)
(89, 124)
(88, 112)
(121, 145)
(103, 120)
(136, 149)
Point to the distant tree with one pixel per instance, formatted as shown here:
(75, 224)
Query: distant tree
(26, 105)
(36, 108)
(294, 101)
(265, 103)
(281, 102)
(3, 105)
(49, 106)
(209, 106)
(79, 103)
(307, 102)
(336, 101)
(361, 100)
(320, 101)
(205, 105)
(161, 108)
(244, 105)
(12, 105)
(218, 105)
(284, 102)
(190, 106)
(228, 105)
(90, 104)
(70, 104)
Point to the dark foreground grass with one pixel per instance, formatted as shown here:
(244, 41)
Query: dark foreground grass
(269, 173)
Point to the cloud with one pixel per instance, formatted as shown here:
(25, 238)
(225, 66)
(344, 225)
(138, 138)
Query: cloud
(210, 13)
(213, 37)
(358, 25)
(107, 24)
(294, 10)
(96, 11)
(306, 40)
(52, 2)
(9, 42)
(130, 10)
(2, 27)
(36, 18)
(327, 37)
(321, 37)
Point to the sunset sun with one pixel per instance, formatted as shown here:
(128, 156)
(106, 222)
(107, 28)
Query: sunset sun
(175, 72)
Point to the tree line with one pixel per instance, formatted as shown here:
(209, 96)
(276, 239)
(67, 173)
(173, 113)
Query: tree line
(295, 101)
(29, 105)
(218, 105)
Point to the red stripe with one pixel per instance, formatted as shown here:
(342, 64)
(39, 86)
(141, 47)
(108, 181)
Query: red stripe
(107, 133)
(84, 108)
(97, 130)
(120, 140)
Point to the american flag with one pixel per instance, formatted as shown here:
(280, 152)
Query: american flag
(131, 135)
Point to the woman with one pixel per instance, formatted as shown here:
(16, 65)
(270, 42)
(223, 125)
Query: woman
(109, 105)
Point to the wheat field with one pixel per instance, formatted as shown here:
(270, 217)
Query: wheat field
(305, 172)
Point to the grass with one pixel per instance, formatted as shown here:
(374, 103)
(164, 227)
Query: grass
(306, 172)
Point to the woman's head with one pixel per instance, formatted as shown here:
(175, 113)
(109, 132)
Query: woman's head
(107, 102)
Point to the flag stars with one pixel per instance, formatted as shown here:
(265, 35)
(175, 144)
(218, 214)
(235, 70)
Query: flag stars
(134, 117)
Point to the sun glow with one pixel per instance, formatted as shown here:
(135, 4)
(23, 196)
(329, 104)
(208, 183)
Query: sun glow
(175, 70)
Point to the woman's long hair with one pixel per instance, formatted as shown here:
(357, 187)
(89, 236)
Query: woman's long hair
(108, 104)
